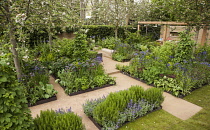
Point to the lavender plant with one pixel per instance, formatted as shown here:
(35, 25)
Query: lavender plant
(90, 105)
(112, 111)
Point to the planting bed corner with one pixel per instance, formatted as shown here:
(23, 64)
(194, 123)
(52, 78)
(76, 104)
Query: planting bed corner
(42, 101)
(126, 60)
(127, 74)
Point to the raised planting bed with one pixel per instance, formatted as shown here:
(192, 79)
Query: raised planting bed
(100, 127)
(127, 74)
(89, 89)
(123, 60)
(126, 60)
(124, 106)
(42, 101)
(99, 57)
(179, 96)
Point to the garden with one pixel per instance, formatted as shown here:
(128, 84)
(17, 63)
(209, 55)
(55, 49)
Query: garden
(32, 53)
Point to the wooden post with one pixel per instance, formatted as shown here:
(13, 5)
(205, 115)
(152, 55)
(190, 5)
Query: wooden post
(204, 36)
(138, 27)
(165, 30)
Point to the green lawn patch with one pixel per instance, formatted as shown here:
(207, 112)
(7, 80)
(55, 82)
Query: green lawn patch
(162, 120)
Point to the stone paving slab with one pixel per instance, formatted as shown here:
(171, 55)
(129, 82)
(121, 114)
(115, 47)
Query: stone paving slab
(179, 107)
(109, 65)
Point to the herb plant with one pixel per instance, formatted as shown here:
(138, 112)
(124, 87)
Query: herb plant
(126, 105)
(59, 119)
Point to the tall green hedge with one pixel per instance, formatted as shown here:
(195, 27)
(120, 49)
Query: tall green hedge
(14, 112)
(103, 31)
(96, 31)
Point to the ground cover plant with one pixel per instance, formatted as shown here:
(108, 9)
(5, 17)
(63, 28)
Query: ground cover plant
(163, 120)
(58, 120)
(113, 111)
(109, 42)
(174, 67)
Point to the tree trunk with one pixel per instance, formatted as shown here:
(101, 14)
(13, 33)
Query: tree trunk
(127, 19)
(197, 33)
(50, 39)
(116, 32)
(82, 9)
(15, 52)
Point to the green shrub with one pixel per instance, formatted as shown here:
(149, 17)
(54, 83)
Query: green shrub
(154, 96)
(122, 52)
(14, 112)
(137, 92)
(136, 40)
(59, 120)
(109, 42)
(202, 53)
(64, 47)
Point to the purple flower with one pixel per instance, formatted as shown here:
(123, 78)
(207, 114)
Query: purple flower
(204, 53)
(171, 57)
(135, 54)
(143, 52)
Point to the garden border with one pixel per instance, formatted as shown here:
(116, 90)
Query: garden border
(179, 96)
(42, 101)
(99, 126)
(123, 60)
(125, 73)
(89, 89)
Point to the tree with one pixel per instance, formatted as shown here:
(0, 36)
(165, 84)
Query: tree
(194, 12)
(14, 13)
(52, 14)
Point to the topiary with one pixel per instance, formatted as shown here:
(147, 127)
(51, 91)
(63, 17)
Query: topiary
(14, 112)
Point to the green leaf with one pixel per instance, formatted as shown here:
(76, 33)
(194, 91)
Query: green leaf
(3, 79)
(46, 96)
